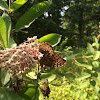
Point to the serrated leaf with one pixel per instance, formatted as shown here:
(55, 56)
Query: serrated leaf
(33, 13)
(17, 4)
(96, 55)
(3, 5)
(7, 20)
(88, 66)
(3, 35)
(52, 38)
(8, 94)
(83, 76)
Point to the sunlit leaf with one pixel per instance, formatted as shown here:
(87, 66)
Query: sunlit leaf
(90, 48)
(48, 76)
(7, 20)
(96, 45)
(17, 4)
(83, 76)
(3, 5)
(96, 64)
(88, 66)
(33, 13)
(96, 55)
(38, 95)
(95, 39)
(53, 39)
(88, 55)
(83, 95)
(30, 92)
(3, 35)
(32, 75)
(97, 88)
(8, 94)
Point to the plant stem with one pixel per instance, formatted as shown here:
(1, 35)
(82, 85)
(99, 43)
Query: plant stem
(37, 81)
(9, 4)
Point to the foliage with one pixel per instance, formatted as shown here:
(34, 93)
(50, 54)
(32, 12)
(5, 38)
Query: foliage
(81, 20)
(80, 78)
(33, 91)
(90, 65)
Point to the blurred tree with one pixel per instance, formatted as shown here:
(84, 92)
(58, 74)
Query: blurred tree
(82, 18)
(76, 19)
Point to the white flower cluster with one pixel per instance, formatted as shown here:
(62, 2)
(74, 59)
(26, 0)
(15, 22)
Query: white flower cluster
(20, 60)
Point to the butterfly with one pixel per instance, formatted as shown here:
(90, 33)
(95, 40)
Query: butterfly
(50, 57)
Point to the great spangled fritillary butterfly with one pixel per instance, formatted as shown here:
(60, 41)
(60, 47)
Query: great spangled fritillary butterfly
(50, 57)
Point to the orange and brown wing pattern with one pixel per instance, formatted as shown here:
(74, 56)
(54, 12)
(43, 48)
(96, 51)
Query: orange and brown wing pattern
(50, 58)
(57, 60)
(46, 48)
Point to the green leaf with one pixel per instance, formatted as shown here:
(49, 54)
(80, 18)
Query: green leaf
(5, 77)
(83, 95)
(83, 76)
(93, 83)
(3, 35)
(32, 75)
(8, 94)
(96, 45)
(30, 92)
(97, 89)
(12, 43)
(95, 39)
(17, 4)
(94, 74)
(3, 5)
(48, 76)
(71, 56)
(88, 66)
(95, 64)
(33, 13)
(88, 55)
(96, 55)
(38, 96)
(84, 84)
(90, 48)
(7, 20)
(53, 39)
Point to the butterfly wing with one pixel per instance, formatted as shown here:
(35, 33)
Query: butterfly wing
(46, 48)
(57, 60)
(50, 58)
